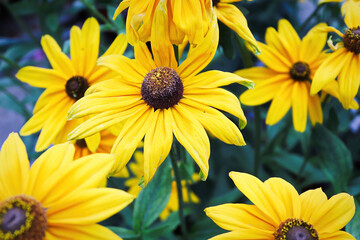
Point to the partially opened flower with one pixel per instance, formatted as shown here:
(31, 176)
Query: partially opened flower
(286, 80)
(137, 169)
(66, 83)
(55, 198)
(280, 213)
(188, 20)
(160, 99)
(343, 63)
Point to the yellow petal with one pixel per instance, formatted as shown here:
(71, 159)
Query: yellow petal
(14, 167)
(351, 9)
(93, 142)
(191, 134)
(232, 17)
(58, 60)
(273, 59)
(157, 142)
(118, 46)
(255, 73)
(313, 44)
(339, 235)
(122, 6)
(299, 100)
(311, 200)
(76, 50)
(315, 111)
(248, 234)
(273, 39)
(41, 77)
(289, 38)
(143, 55)
(281, 103)
(261, 195)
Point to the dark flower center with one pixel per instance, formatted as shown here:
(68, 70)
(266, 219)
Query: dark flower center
(22, 217)
(351, 40)
(215, 2)
(81, 143)
(162, 88)
(76, 87)
(300, 71)
(295, 229)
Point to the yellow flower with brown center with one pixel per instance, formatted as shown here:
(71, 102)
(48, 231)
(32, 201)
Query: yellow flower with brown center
(286, 80)
(160, 99)
(66, 83)
(343, 63)
(55, 198)
(188, 20)
(280, 213)
(137, 168)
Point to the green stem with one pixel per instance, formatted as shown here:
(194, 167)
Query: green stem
(175, 156)
(10, 62)
(257, 155)
(97, 13)
(20, 22)
(314, 13)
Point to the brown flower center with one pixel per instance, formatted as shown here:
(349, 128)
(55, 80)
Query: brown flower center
(215, 2)
(81, 143)
(22, 217)
(162, 88)
(300, 71)
(351, 40)
(295, 229)
(76, 87)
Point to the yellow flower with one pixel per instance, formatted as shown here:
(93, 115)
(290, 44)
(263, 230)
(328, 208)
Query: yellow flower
(55, 198)
(66, 82)
(290, 65)
(137, 168)
(280, 213)
(188, 20)
(159, 98)
(343, 63)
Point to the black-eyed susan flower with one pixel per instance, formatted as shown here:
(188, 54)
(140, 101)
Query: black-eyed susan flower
(286, 80)
(188, 20)
(280, 213)
(66, 83)
(343, 63)
(160, 99)
(55, 198)
(137, 168)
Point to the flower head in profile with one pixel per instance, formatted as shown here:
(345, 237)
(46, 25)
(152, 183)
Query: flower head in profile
(137, 169)
(66, 83)
(343, 63)
(279, 212)
(159, 99)
(55, 198)
(286, 80)
(188, 20)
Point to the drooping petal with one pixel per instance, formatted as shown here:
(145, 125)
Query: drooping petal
(299, 100)
(41, 77)
(236, 217)
(157, 142)
(191, 134)
(14, 166)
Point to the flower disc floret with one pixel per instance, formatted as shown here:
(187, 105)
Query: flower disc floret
(351, 39)
(295, 229)
(22, 217)
(162, 88)
(215, 2)
(76, 87)
(300, 71)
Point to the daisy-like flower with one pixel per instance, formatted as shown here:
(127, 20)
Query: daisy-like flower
(137, 168)
(286, 80)
(160, 99)
(55, 198)
(66, 83)
(188, 20)
(343, 63)
(279, 212)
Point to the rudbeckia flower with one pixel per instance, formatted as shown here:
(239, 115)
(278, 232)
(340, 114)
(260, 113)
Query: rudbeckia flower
(66, 83)
(188, 20)
(159, 99)
(279, 212)
(286, 80)
(55, 198)
(343, 63)
(137, 168)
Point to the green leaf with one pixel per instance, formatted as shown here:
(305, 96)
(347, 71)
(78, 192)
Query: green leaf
(152, 199)
(52, 22)
(165, 227)
(353, 227)
(125, 233)
(335, 158)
